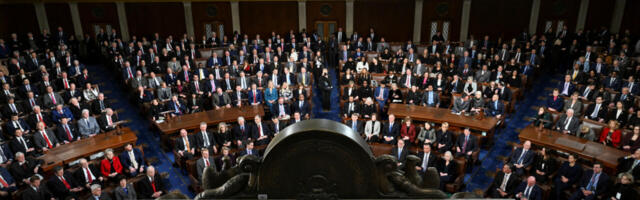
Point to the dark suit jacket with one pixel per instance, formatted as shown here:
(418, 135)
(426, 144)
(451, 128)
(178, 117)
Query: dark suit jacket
(395, 129)
(433, 160)
(359, 126)
(125, 160)
(471, 143)
(255, 134)
(305, 109)
(145, 189)
(180, 146)
(58, 188)
(238, 134)
(95, 106)
(527, 158)
(403, 154)
(602, 113)
(79, 175)
(16, 146)
(40, 141)
(31, 194)
(62, 134)
(535, 194)
(104, 123)
(199, 137)
(511, 186)
(625, 164)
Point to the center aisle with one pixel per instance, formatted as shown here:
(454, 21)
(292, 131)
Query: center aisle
(482, 176)
(162, 161)
(334, 113)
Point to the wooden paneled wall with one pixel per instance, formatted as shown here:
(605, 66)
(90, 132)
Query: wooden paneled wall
(336, 12)
(499, 18)
(18, 18)
(59, 15)
(392, 20)
(145, 19)
(264, 17)
(211, 13)
(441, 11)
(98, 13)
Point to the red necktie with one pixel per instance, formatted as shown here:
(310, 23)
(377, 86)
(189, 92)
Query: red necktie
(88, 175)
(206, 162)
(186, 76)
(254, 96)
(66, 84)
(4, 183)
(53, 99)
(40, 119)
(68, 133)
(260, 130)
(153, 185)
(66, 184)
(46, 139)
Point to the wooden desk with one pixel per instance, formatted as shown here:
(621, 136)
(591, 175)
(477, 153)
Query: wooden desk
(440, 115)
(211, 117)
(589, 150)
(79, 149)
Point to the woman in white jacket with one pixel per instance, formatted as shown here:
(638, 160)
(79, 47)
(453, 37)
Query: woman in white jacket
(372, 129)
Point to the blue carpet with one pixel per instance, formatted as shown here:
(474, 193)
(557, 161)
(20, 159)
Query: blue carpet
(178, 179)
(334, 112)
(479, 178)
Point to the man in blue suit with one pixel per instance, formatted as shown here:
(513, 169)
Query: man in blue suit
(382, 95)
(522, 158)
(495, 108)
(255, 95)
(592, 184)
(17, 123)
(529, 190)
(555, 102)
(61, 112)
(179, 108)
(6, 155)
(214, 61)
(7, 184)
(566, 88)
(132, 161)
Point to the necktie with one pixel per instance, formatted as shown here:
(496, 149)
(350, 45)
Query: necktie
(153, 185)
(89, 175)
(567, 123)
(186, 144)
(594, 114)
(3, 182)
(504, 182)
(521, 156)
(254, 96)
(66, 84)
(132, 157)
(464, 145)
(46, 139)
(13, 108)
(425, 162)
(66, 184)
(592, 184)
(53, 99)
(206, 162)
(527, 191)
(66, 130)
(260, 130)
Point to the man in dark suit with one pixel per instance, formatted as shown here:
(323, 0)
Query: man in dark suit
(587, 92)
(66, 132)
(630, 164)
(99, 105)
(10, 187)
(240, 133)
(87, 174)
(555, 102)
(151, 186)
(430, 98)
(260, 132)
(63, 185)
(132, 160)
(302, 106)
(390, 130)
(357, 126)
(593, 184)
(400, 152)
(205, 139)
(34, 191)
(249, 150)
(39, 116)
(185, 146)
(11, 108)
(528, 190)
(23, 168)
(566, 88)
(504, 184)
(495, 107)
(107, 120)
(203, 162)
(522, 158)
(428, 159)
(612, 81)
(596, 111)
(21, 144)
(6, 155)
(276, 125)
(254, 95)
(44, 139)
(177, 106)
(466, 145)
(281, 109)
(567, 123)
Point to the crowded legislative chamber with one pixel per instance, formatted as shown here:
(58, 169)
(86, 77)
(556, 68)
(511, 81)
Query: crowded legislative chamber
(319, 99)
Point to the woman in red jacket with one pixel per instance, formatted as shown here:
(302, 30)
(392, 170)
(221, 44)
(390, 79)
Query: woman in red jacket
(408, 130)
(110, 166)
(611, 135)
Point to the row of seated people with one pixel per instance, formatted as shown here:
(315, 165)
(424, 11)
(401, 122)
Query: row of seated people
(621, 130)
(79, 178)
(560, 178)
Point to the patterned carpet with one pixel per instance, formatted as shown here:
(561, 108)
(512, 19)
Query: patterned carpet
(476, 181)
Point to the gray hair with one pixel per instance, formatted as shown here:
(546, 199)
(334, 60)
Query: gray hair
(95, 187)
